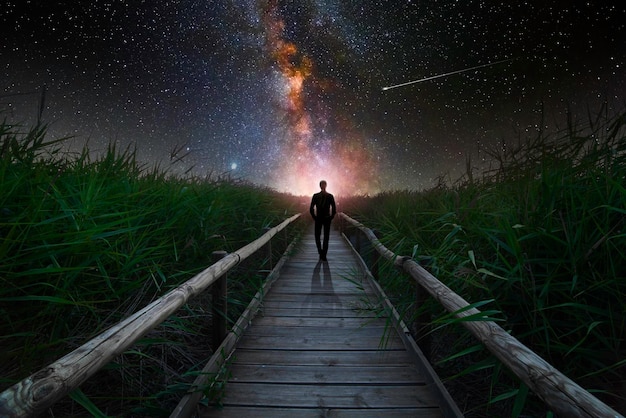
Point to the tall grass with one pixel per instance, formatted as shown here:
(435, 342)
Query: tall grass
(542, 234)
(85, 242)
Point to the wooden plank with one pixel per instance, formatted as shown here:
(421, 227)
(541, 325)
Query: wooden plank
(302, 293)
(319, 343)
(322, 358)
(307, 270)
(328, 396)
(315, 321)
(295, 310)
(311, 331)
(306, 288)
(355, 307)
(356, 299)
(272, 412)
(344, 375)
(352, 300)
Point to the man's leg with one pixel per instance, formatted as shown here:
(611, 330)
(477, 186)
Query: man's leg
(318, 232)
(326, 237)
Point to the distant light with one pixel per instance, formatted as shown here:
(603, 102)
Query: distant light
(233, 166)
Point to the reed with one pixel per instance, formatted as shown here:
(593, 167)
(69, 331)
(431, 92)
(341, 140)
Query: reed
(541, 236)
(87, 241)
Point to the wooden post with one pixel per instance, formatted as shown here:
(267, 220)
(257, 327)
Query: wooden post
(422, 322)
(375, 258)
(285, 242)
(269, 249)
(220, 305)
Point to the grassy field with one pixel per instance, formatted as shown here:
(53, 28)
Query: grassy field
(85, 243)
(541, 237)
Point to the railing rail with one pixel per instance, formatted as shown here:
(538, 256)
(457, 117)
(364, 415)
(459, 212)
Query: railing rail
(41, 390)
(560, 393)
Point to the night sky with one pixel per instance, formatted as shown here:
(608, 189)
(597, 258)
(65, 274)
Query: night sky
(285, 93)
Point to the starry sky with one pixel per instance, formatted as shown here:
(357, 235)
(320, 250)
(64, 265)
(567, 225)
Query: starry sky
(285, 93)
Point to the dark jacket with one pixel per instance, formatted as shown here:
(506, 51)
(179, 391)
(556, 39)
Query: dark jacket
(324, 204)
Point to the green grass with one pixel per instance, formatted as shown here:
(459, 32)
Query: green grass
(542, 235)
(85, 242)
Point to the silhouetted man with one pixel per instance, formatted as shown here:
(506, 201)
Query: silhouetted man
(323, 210)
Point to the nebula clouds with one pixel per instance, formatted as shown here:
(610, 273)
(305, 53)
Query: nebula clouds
(308, 152)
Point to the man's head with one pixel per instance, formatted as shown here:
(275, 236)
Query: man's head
(323, 185)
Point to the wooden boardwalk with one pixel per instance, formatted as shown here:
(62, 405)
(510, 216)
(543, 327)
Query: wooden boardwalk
(319, 347)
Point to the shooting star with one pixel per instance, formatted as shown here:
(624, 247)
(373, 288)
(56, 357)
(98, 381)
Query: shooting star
(446, 74)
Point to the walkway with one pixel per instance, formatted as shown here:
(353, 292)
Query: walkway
(319, 348)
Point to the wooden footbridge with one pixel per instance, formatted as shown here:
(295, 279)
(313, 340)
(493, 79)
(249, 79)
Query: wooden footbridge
(319, 340)
(321, 345)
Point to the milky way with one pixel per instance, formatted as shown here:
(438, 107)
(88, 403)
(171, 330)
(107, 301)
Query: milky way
(310, 151)
(285, 93)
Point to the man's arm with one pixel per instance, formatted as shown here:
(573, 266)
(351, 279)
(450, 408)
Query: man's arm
(334, 207)
(311, 210)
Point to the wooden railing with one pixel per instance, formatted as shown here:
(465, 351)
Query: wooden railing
(41, 390)
(561, 394)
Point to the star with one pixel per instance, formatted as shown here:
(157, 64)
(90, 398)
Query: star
(296, 87)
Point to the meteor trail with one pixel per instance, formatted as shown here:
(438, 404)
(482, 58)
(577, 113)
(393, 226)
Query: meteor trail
(445, 75)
